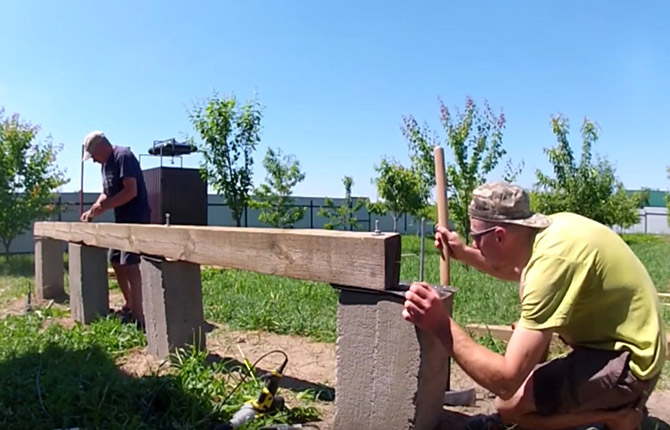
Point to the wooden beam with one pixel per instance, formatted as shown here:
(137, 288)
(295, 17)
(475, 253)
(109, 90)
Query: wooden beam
(503, 333)
(355, 259)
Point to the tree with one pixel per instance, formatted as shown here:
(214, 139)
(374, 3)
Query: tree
(230, 133)
(475, 139)
(588, 187)
(400, 189)
(667, 196)
(343, 216)
(28, 177)
(642, 197)
(273, 199)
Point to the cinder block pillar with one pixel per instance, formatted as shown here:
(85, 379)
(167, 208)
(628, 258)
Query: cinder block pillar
(49, 273)
(89, 289)
(172, 301)
(390, 375)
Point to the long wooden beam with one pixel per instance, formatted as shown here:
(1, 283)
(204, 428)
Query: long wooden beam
(353, 259)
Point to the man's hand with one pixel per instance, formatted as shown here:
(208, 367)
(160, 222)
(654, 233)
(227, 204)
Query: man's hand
(457, 248)
(423, 307)
(93, 212)
(86, 216)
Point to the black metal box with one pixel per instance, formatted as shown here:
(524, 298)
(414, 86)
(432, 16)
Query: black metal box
(180, 192)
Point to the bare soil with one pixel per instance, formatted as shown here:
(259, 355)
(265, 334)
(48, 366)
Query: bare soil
(313, 363)
(312, 367)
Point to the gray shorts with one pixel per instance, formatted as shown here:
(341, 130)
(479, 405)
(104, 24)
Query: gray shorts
(588, 379)
(123, 258)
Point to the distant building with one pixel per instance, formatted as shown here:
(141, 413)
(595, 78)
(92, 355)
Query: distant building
(653, 216)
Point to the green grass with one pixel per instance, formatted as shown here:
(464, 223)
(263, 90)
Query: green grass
(653, 251)
(16, 277)
(53, 377)
(252, 301)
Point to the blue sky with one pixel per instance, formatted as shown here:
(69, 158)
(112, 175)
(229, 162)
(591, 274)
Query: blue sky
(336, 78)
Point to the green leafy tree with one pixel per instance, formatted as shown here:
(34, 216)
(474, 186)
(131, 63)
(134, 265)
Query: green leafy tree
(28, 177)
(475, 139)
(667, 197)
(343, 216)
(273, 199)
(587, 187)
(642, 197)
(400, 189)
(230, 133)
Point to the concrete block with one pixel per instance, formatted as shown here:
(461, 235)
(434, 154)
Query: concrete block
(172, 301)
(49, 272)
(89, 289)
(390, 375)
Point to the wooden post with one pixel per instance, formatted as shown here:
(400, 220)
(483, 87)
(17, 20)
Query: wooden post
(442, 211)
(443, 221)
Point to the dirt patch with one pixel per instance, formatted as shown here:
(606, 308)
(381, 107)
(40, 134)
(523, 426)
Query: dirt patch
(313, 364)
(140, 363)
(15, 307)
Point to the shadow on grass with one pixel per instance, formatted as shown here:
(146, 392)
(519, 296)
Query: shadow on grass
(320, 392)
(66, 388)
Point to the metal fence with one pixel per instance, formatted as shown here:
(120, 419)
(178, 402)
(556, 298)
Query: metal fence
(219, 214)
(653, 220)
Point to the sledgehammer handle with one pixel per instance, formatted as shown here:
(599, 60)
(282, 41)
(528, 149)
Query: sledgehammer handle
(442, 211)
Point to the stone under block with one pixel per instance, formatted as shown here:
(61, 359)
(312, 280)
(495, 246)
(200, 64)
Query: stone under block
(390, 375)
(49, 272)
(89, 288)
(172, 301)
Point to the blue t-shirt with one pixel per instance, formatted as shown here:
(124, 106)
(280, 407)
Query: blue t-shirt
(122, 164)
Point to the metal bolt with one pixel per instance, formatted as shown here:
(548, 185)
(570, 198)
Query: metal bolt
(377, 232)
(167, 219)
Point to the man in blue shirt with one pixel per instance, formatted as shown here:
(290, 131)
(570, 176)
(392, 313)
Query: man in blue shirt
(124, 191)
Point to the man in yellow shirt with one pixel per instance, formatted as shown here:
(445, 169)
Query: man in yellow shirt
(577, 278)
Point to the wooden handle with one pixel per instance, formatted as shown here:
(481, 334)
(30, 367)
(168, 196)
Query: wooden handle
(442, 210)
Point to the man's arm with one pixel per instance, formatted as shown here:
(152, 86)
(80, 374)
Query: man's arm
(128, 193)
(501, 374)
(94, 210)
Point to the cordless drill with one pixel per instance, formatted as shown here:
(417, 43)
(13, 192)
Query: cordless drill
(267, 401)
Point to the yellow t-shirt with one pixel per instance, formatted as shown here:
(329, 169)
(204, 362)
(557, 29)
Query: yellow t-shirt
(586, 284)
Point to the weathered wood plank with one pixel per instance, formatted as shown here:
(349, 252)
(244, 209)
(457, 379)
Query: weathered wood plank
(353, 259)
(504, 333)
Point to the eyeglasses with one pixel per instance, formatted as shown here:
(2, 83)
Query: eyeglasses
(476, 235)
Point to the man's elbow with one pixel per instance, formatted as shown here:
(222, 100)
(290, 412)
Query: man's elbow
(507, 385)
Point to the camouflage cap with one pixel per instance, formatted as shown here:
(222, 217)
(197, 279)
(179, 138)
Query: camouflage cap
(505, 203)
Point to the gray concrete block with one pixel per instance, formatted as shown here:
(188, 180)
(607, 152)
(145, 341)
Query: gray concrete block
(49, 272)
(89, 288)
(390, 375)
(172, 301)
